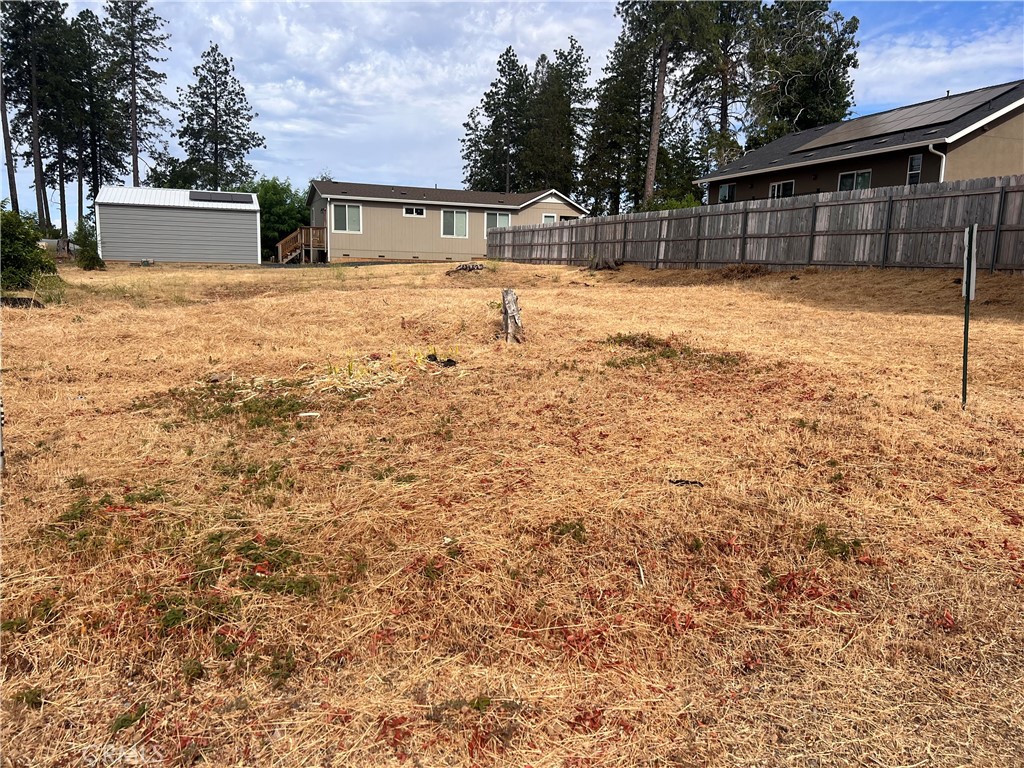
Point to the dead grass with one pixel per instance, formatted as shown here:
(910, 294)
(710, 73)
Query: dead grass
(248, 521)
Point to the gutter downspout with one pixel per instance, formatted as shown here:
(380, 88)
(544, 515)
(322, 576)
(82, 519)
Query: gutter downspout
(942, 162)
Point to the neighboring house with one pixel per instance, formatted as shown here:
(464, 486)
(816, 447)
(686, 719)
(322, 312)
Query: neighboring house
(139, 223)
(962, 136)
(383, 221)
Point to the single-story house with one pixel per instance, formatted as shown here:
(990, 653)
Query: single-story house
(183, 225)
(962, 136)
(384, 221)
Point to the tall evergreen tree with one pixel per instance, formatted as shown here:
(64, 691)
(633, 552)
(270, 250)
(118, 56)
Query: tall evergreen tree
(102, 125)
(801, 62)
(12, 176)
(30, 33)
(717, 85)
(137, 28)
(216, 120)
(616, 147)
(670, 30)
(548, 156)
(496, 130)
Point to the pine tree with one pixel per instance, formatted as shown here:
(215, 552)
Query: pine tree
(717, 86)
(102, 125)
(670, 31)
(12, 180)
(216, 120)
(137, 28)
(496, 130)
(801, 62)
(548, 160)
(617, 145)
(30, 32)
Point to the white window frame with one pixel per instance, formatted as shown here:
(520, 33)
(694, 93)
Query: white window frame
(727, 199)
(497, 217)
(549, 218)
(346, 230)
(920, 168)
(778, 187)
(455, 228)
(421, 215)
(855, 174)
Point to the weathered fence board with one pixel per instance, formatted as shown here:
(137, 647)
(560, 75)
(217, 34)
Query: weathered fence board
(919, 226)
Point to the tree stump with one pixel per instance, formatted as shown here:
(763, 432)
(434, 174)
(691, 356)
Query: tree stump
(511, 322)
(604, 261)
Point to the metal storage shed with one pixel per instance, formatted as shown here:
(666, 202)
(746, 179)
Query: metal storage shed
(137, 223)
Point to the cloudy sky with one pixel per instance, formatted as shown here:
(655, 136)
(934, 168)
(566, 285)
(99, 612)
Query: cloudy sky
(377, 92)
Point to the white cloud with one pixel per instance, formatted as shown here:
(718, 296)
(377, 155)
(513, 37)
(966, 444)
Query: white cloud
(903, 69)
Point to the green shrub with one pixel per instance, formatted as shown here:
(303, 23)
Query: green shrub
(21, 258)
(88, 256)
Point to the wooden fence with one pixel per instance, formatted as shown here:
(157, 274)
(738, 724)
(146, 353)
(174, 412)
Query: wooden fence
(918, 226)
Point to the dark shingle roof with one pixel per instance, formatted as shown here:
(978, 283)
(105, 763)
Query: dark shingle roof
(397, 193)
(788, 152)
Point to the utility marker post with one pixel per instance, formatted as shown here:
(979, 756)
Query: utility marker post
(967, 289)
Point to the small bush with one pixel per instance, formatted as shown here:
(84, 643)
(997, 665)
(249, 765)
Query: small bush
(21, 258)
(87, 257)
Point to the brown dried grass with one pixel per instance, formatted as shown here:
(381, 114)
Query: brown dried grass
(489, 564)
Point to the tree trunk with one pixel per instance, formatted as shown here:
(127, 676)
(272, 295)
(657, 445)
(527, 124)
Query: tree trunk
(81, 186)
(42, 204)
(61, 183)
(659, 102)
(9, 151)
(133, 108)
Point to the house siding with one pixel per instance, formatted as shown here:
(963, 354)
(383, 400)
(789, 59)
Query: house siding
(389, 235)
(135, 232)
(887, 170)
(996, 150)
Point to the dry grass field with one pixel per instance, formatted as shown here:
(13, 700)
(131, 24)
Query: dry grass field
(249, 520)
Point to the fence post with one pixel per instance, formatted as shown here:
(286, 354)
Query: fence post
(696, 252)
(625, 228)
(659, 255)
(814, 229)
(888, 227)
(743, 234)
(999, 228)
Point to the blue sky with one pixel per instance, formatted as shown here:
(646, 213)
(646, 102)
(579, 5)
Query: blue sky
(377, 92)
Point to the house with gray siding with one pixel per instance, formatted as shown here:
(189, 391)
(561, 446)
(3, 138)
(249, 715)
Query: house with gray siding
(177, 225)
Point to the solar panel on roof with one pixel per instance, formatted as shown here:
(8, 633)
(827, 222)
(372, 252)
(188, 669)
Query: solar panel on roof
(220, 197)
(907, 118)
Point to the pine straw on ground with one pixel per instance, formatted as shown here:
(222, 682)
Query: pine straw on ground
(249, 520)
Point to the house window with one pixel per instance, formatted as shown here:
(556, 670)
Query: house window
(781, 189)
(454, 224)
(726, 193)
(914, 169)
(418, 213)
(495, 219)
(549, 218)
(348, 218)
(855, 180)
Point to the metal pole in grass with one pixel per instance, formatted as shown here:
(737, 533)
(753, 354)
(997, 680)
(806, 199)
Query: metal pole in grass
(967, 289)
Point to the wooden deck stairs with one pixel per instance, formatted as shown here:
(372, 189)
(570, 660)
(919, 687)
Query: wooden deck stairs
(306, 245)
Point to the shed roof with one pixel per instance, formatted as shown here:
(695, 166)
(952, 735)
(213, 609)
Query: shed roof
(167, 198)
(397, 193)
(868, 135)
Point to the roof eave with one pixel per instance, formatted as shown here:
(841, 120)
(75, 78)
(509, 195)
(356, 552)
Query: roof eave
(985, 121)
(912, 145)
(806, 163)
